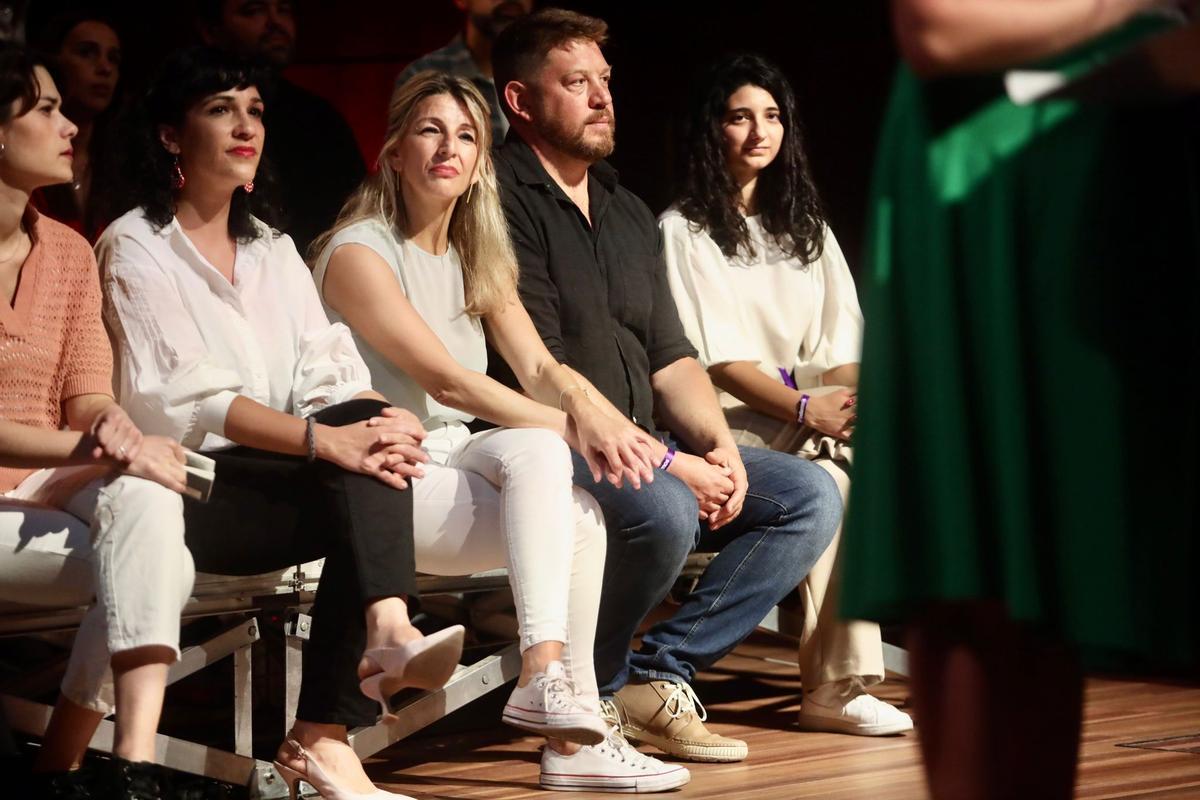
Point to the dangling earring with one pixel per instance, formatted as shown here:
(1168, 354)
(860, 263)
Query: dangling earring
(177, 179)
(248, 186)
(2, 149)
(470, 189)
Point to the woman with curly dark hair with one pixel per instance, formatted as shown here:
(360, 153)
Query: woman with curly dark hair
(767, 299)
(223, 344)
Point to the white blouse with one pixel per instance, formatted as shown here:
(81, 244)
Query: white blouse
(771, 310)
(187, 342)
(434, 286)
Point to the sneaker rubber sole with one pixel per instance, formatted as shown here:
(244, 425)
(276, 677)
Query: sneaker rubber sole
(560, 782)
(823, 724)
(578, 728)
(710, 754)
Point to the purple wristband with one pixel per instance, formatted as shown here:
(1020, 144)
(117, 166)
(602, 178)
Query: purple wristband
(801, 407)
(667, 459)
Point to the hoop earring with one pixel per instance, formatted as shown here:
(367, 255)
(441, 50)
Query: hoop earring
(177, 178)
(248, 186)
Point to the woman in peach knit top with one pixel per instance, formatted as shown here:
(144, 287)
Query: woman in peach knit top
(65, 444)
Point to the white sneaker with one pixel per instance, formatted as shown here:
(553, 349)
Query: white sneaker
(845, 707)
(611, 766)
(548, 705)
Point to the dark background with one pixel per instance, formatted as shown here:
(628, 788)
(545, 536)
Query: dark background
(839, 57)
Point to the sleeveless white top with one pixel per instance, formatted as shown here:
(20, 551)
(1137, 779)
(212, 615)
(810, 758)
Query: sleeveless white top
(434, 286)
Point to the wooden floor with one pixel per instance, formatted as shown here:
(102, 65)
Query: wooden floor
(752, 695)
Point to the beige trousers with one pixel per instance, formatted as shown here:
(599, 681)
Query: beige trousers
(831, 648)
(133, 562)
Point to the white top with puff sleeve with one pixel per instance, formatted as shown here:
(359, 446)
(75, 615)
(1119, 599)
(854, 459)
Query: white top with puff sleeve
(772, 309)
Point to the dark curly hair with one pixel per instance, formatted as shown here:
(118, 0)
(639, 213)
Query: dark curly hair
(788, 203)
(185, 78)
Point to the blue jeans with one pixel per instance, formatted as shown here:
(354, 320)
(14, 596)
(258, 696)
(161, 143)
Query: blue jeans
(790, 516)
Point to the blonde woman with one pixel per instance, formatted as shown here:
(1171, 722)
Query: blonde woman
(418, 265)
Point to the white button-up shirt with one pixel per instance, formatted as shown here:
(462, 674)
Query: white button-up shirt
(187, 342)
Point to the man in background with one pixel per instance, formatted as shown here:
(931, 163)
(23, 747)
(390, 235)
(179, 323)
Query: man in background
(469, 54)
(310, 148)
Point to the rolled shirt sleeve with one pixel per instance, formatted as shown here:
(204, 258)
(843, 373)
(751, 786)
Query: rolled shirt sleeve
(329, 369)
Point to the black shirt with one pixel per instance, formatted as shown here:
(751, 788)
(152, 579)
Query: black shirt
(597, 293)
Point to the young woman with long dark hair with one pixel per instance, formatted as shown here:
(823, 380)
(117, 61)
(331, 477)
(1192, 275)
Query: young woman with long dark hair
(766, 296)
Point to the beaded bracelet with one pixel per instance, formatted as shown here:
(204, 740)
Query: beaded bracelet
(310, 438)
(801, 407)
(667, 459)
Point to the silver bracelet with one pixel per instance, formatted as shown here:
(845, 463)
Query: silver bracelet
(310, 438)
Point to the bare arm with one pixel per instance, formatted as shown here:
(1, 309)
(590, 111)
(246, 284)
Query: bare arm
(831, 413)
(947, 36)
(101, 435)
(611, 444)
(685, 400)
(34, 448)
(747, 383)
(360, 286)
(845, 375)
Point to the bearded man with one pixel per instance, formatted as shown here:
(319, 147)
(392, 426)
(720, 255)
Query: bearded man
(593, 280)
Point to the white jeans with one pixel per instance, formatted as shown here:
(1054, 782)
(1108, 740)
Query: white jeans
(504, 498)
(133, 562)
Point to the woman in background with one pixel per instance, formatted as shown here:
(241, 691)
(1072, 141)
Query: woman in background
(87, 54)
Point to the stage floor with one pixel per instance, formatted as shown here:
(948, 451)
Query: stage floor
(752, 694)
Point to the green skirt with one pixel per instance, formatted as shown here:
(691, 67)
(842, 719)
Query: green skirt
(1028, 414)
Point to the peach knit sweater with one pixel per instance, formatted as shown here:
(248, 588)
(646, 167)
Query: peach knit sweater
(52, 341)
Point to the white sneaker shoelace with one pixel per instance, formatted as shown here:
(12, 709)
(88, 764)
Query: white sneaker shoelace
(558, 693)
(682, 701)
(617, 747)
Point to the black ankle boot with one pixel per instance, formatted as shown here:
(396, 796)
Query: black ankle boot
(135, 780)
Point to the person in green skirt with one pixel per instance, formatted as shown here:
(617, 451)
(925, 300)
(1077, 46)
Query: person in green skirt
(1027, 441)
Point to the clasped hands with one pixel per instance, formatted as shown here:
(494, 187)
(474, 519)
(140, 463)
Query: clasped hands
(617, 450)
(113, 437)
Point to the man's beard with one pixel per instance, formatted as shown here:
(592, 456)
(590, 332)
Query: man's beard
(575, 142)
(501, 17)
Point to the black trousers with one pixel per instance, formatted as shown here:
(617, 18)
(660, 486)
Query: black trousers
(269, 511)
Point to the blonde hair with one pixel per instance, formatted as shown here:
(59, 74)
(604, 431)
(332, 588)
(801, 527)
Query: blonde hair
(478, 231)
